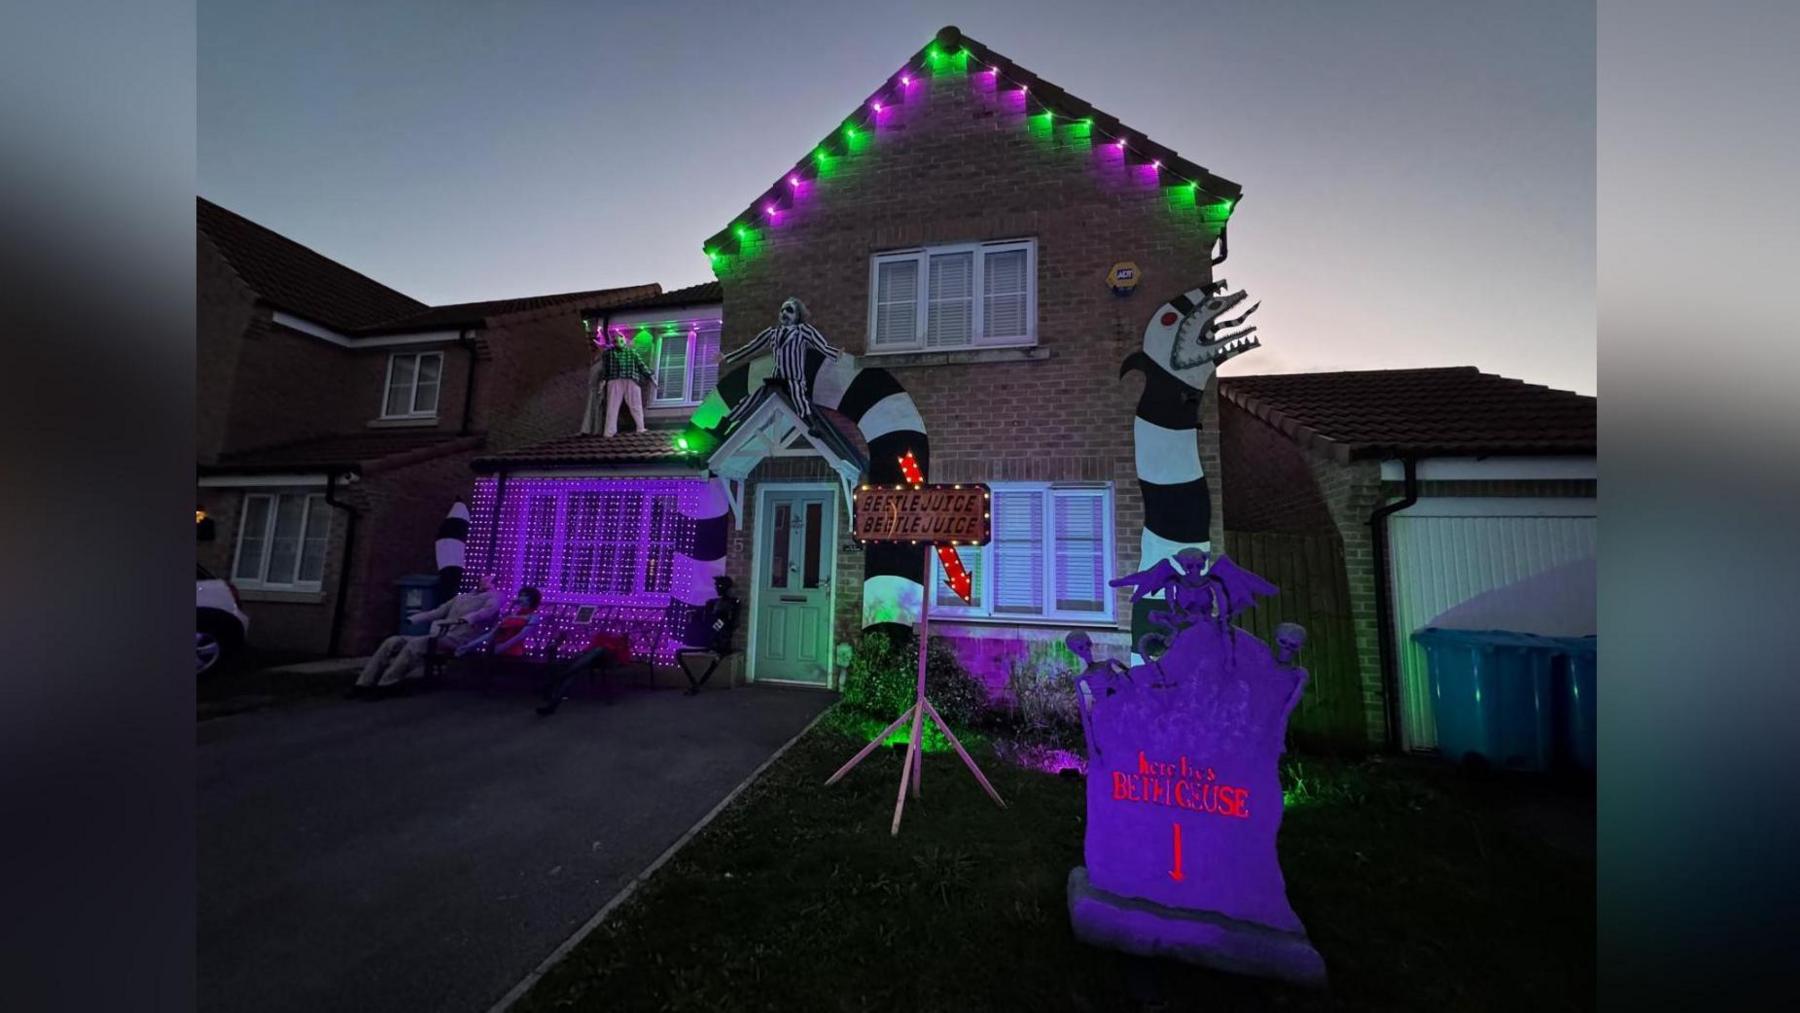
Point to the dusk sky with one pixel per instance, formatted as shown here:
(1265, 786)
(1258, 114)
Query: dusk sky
(1418, 176)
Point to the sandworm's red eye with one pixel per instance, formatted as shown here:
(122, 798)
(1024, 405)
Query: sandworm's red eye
(1169, 318)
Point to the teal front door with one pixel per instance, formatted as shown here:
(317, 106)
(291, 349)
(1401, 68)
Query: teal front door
(795, 556)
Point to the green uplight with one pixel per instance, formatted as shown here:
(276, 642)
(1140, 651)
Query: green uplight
(741, 231)
(850, 133)
(681, 443)
(820, 156)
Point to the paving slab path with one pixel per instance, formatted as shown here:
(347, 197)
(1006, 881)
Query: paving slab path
(426, 853)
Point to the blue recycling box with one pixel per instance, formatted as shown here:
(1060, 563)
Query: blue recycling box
(1492, 694)
(1578, 707)
(415, 593)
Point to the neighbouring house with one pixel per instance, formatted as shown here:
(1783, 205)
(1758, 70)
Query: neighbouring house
(337, 418)
(957, 236)
(1379, 499)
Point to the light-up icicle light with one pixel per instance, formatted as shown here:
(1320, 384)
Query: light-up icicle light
(590, 541)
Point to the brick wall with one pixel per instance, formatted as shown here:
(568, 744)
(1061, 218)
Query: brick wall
(224, 307)
(950, 167)
(534, 385)
(1268, 482)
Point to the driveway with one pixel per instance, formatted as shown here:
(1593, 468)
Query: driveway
(426, 853)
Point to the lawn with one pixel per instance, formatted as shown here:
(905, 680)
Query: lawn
(1423, 887)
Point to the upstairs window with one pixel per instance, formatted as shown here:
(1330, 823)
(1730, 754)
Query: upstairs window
(686, 365)
(968, 296)
(413, 379)
(1050, 557)
(281, 541)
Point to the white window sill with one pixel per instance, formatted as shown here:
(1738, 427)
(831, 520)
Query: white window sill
(286, 596)
(1092, 622)
(959, 356)
(404, 422)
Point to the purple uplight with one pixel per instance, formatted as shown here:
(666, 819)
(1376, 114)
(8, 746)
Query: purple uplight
(875, 106)
(794, 181)
(906, 80)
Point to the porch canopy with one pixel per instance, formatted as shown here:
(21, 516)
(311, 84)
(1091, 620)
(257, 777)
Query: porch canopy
(776, 430)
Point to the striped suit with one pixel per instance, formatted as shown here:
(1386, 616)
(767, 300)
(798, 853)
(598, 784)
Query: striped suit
(788, 343)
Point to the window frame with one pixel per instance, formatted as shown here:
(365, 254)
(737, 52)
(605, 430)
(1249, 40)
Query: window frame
(309, 501)
(978, 339)
(690, 398)
(387, 386)
(654, 541)
(1105, 616)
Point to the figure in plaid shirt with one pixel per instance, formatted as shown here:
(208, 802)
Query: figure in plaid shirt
(621, 373)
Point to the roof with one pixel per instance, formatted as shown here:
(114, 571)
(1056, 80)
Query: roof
(475, 314)
(654, 446)
(355, 452)
(592, 450)
(1453, 411)
(950, 49)
(298, 279)
(693, 295)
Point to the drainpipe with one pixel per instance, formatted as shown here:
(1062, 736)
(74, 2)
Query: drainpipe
(1224, 246)
(468, 342)
(343, 588)
(1384, 609)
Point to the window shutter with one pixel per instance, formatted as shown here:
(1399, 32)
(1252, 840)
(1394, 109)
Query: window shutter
(425, 394)
(896, 303)
(1018, 526)
(401, 371)
(254, 539)
(1080, 552)
(318, 531)
(1003, 295)
(706, 363)
(952, 295)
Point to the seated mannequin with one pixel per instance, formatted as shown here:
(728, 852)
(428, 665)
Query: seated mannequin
(712, 632)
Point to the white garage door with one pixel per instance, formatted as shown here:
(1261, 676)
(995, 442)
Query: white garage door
(1445, 551)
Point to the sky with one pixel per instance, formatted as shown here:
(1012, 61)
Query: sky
(1418, 176)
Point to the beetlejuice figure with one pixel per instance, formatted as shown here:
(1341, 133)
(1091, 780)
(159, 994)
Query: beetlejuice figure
(788, 342)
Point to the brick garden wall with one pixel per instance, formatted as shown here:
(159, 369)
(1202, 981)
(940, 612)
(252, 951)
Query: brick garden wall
(950, 166)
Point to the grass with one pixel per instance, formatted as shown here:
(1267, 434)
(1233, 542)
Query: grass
(1416, 882)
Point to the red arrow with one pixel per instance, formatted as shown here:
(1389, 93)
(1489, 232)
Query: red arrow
(1176, 873)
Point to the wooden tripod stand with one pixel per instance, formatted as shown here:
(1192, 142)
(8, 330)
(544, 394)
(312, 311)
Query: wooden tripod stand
(915, 756)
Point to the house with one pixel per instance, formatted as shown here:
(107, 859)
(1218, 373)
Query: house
(337, 419)
(989, 251)
(1379, 499)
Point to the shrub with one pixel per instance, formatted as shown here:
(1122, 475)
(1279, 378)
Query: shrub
(1042, 688)
(883, 673)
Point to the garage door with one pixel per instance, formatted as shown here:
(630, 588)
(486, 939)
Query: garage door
(1445, 551)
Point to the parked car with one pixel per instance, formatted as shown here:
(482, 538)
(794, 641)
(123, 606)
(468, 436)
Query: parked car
(220, 625)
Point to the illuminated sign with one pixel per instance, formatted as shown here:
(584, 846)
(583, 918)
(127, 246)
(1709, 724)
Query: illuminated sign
(922, 514)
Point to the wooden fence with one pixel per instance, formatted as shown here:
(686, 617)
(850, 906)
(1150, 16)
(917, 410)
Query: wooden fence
(1315, 592)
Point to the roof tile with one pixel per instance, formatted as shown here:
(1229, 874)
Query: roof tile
(296, 278)
(1450, 411)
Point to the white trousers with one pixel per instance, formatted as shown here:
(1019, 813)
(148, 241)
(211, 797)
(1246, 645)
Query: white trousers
(629, 392)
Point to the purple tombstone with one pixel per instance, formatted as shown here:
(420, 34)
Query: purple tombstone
(1184, 797)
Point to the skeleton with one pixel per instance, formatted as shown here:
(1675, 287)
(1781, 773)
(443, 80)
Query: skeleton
(1289, 638)
(788, 341)
(1185, 342)
(1195, 591)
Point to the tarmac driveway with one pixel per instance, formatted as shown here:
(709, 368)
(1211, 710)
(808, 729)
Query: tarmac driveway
(426, 853)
